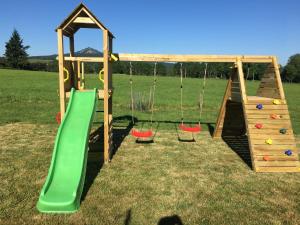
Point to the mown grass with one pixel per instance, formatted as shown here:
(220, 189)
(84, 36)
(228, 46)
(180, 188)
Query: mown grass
(28, 96)
(204, 182)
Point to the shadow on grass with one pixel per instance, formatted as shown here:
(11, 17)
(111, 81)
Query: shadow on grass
(170, 220)
(240, 145)
(95, 161)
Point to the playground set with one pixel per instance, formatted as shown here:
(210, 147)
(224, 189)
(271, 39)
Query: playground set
(263, 118)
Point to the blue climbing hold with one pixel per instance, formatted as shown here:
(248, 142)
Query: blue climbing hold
(288, 152)
(259, 106)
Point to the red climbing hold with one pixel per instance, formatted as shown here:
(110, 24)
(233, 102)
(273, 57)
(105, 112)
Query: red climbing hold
(58, 118)
(141, 134)
(258, 125)
(194, 129)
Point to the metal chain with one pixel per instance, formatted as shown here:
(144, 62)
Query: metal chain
(153, 93)
(131, 92)
(201, 95)
(181, 92)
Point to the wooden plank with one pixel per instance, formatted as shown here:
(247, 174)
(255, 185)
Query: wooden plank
(220, 119)
(192, 58)
(268, 116)
(100, 94)
(85, 20)
(268, 111)
(275, 141)
(278, 77)
(277, 163)
(270, 131)
(266, 107)
(84, 59)
(272, 126)
(270, 121)
(278, 169)
(276, 157)
(62, 96)
(281, 147)
(278, 136)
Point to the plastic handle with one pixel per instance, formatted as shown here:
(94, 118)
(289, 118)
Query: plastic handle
(68, 76)
(100, 76)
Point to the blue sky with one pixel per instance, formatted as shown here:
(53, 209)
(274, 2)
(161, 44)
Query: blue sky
(260, 27)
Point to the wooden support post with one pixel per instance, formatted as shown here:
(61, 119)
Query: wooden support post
(62, 94)
(241, 80)
(73, 63)
(107, 102)
(278, 78)
(218, 130)
(78, 75)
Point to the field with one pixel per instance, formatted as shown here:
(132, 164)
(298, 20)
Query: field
(167, 182)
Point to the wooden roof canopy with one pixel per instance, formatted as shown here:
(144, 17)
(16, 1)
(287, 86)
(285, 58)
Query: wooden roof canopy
(81, 17)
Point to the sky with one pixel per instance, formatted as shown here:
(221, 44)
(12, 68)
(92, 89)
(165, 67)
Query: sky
(256, 27)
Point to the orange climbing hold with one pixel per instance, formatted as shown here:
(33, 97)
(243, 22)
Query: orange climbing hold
(275, 116)
(266, 158)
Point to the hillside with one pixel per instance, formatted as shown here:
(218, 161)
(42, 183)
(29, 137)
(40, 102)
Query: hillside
(86, 52)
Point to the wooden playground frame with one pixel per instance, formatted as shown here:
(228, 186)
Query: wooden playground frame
(82, 17)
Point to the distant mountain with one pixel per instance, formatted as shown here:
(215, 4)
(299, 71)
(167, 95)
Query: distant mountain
(86, 52)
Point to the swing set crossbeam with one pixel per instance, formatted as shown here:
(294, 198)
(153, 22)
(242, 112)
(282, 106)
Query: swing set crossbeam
(193, 58)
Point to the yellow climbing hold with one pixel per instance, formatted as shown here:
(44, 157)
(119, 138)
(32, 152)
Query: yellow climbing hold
(276, 102)
(269, 141)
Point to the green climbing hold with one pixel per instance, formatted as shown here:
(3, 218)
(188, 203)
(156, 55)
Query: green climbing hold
(283, 131)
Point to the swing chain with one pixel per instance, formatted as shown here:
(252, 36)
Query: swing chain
(201, 95)
(181, 92)
(131, 92)
(153, 93)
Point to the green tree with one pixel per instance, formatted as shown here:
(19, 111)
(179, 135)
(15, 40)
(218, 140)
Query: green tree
(15, 51)
(291, 71)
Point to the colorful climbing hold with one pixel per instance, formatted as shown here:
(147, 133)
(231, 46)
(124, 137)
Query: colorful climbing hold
(266, 158)
(276, 102)
(283, 131)
(269, 141)
(58, 118)
(274, 116)
(288, 152)
(258, 125)
(259, 106)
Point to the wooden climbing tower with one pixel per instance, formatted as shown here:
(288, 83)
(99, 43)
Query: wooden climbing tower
(264, 119)
(82, 17)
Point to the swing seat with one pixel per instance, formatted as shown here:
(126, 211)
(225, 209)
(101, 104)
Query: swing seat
(192, 129)
(141, 134)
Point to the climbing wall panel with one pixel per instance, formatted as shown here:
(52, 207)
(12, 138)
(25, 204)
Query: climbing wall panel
(272, 144)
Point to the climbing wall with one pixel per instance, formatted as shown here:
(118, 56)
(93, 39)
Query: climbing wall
(263, 119)
(270, 135)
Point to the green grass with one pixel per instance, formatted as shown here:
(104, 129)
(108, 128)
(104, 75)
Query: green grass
(204, 182)
(32, 97)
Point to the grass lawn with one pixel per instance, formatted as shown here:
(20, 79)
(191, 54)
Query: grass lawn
(205, 182)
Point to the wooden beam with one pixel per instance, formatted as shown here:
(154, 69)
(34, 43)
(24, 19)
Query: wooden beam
(84, 20)
(221, 116)
(73, 64)
(83, 59)
(62, 95)
(278, 78)
(193, 58)
(106, 107)
(241, 80)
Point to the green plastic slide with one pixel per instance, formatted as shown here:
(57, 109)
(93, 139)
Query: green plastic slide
(62, 190)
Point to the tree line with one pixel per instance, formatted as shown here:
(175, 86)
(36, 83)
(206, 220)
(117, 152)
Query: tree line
(16, 57)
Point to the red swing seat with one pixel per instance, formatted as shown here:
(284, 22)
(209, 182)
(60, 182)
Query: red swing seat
(193, 129)
(141, 134)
